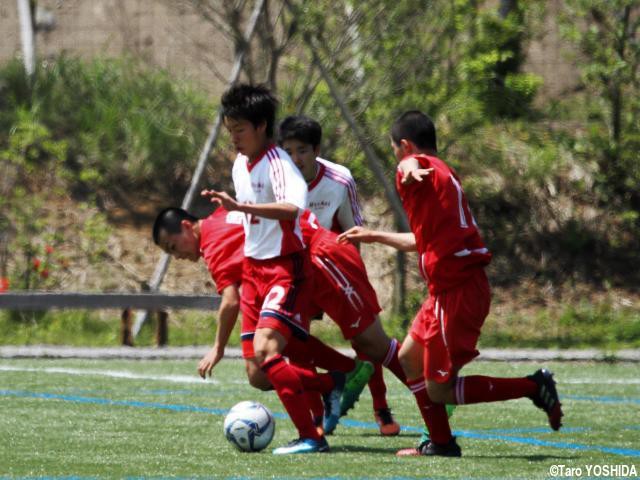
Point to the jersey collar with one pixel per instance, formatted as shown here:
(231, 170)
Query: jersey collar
(319, 176)
(262, 155)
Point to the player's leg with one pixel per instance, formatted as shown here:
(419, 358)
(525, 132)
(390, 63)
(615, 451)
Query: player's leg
(268, 345)
(257, 378)
(319, 354)
(374, 342)
(462, 312)
(313, 397)
(414, 355)
(381, 411)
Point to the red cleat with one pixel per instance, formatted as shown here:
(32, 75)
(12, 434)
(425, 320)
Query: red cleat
(388, 426)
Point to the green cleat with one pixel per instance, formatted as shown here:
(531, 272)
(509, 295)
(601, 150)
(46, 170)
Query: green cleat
(356, 380)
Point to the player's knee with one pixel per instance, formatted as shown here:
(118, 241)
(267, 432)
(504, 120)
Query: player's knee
(407, 362)
(365, 345)
(438, 392)
(257, 378)
(260, 382)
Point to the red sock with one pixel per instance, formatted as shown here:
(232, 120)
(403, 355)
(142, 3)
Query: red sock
(392, 363)
(319, 353)
(289, 388)
(376, 384)
(312, 380)
(434, 414)
(314, 398)
(480, 389)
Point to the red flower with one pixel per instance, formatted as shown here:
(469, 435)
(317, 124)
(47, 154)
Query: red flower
(44, 273)
(4, 284)
(48, 249)
(36, 263)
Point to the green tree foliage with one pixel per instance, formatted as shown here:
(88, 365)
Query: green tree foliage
(100, 130)
(606, 34)
(122, 122)
(528, 171)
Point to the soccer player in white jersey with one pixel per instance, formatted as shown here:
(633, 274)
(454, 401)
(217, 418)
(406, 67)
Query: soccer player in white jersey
(333, 199)
(272, 193)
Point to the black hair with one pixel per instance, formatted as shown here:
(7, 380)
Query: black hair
(170, 220)
(301, 128)
(416, 127)
(254, 103)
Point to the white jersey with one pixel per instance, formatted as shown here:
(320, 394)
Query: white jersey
(333, 197)
(273, 178)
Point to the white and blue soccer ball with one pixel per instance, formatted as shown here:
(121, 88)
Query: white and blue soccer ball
(249, 426)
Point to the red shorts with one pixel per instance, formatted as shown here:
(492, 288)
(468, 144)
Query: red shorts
(448, 326)
(341, 287)
(275, 294)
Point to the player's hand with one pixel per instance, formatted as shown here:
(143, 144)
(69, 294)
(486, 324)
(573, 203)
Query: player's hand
(221, 198)
(411, 171)
(415, 176)
(210, 360)
(356, 235)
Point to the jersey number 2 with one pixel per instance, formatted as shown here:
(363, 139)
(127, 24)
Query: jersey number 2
(274, 298)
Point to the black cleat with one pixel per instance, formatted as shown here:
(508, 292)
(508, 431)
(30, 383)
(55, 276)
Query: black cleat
(451, 449)
(547, 397)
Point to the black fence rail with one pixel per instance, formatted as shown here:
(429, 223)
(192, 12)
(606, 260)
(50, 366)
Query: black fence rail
(157, 303)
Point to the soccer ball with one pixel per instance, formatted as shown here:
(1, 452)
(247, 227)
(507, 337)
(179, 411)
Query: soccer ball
(249, 426)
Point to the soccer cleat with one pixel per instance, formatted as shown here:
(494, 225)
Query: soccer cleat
(303, 445)
(547, 397)
(413, 451)
(388, 426)
(357, 379)
(451, 449)
(424, 437)
(332, 402)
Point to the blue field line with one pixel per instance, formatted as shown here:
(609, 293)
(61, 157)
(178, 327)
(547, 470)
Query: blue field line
(345, 422)
(590, 398)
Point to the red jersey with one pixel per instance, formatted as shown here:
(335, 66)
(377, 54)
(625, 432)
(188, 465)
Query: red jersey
(221, 246)
(448, 241)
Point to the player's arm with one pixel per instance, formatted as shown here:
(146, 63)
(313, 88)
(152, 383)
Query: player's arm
(400, 241)
(273, 211)
(227, 315)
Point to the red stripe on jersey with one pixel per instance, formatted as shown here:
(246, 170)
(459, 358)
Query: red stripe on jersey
(278, 175)
(351, 191)
(263, 154)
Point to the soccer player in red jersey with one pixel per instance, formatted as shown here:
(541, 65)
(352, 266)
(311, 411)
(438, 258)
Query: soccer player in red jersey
(333, 198)
(219, 240)
(340, 283)
(452, 257)
(271, 193)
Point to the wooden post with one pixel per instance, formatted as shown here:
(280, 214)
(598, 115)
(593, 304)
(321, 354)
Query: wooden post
(162, 329)
(125, 329)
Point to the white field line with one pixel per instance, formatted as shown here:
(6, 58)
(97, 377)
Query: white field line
(596, 381)
(114, 374)
(212, 381)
